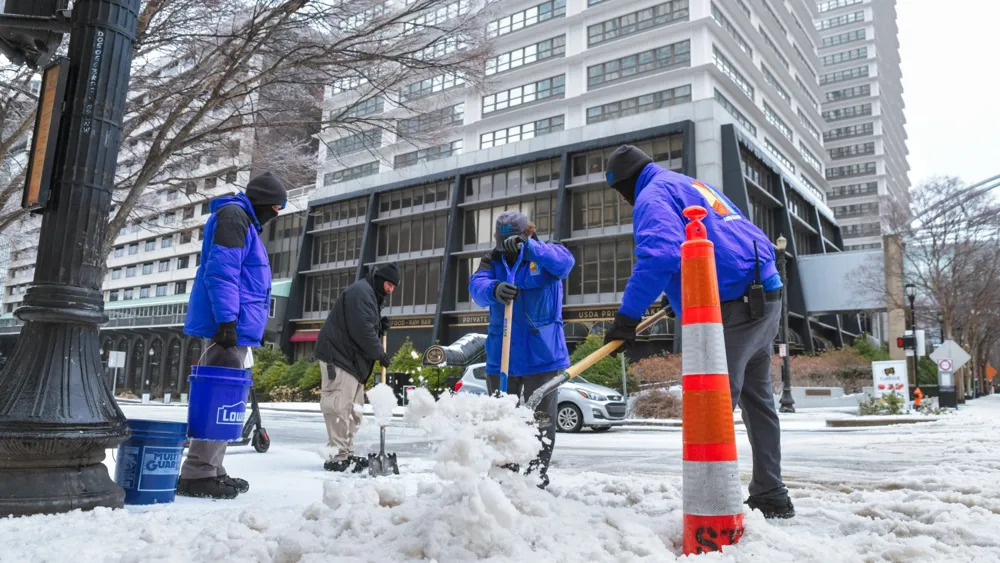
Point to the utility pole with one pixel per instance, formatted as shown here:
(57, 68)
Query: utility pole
(57, 415)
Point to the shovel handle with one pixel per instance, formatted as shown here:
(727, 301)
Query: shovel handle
(508, 321)
(384, 350)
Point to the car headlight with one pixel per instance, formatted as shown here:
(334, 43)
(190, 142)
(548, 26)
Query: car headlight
(591, 396)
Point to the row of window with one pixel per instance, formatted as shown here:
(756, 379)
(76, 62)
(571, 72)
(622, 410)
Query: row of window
(540, 90)
(370, 140)
(851, 151)
(835, 4)
(338, 246)
(180, 288)
(844, 38)
(543, 50)
(526, 18)
(861, 230)
(153, 244)
(598, 208)
(848, 93)
(432, 19)
(854, 190)
(413, 197)
(512, 181)
(323, 290)
(636, 22)
(808, 125)
(810, 158)
(639, 104)
(736, 113)
(859, 130)
(771, 148)
(773, 119)
(428, 154)
(839, 21)
(845, 56)
(418, 234)
(352, 173)
(522, 132)
(843, 75)
(671, 56)
(668, 151)
(181, 263)
(418, 284)
(330, 214)
(851, 170)
(432, 121)
(432, 85)
(724, 22)
(847, 113)
(727, 68)
(480, 224)
(773, 81)
(856, 210)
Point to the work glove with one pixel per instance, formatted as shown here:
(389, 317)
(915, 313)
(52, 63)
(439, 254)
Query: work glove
(512, 245)
(226, 335)
(665, 305)
(385, 324)
(385, 360)
(623, 328)
(505, 292)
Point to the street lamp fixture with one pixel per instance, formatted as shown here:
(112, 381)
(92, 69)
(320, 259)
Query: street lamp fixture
(787, 402)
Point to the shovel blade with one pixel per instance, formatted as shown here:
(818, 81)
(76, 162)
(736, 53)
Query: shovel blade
(382, 464)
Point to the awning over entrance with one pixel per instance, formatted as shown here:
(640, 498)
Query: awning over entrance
(304, 336)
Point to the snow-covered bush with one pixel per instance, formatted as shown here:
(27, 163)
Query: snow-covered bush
(658, 404)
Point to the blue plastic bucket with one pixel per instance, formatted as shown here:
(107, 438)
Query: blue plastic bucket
(148, 463)
(217, 403)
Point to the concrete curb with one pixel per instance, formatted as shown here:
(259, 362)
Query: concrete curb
(863, 423)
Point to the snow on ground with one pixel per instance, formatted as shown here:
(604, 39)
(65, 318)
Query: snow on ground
(924, 492)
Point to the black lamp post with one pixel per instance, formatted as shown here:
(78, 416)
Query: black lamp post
(911, 294)
(787, 402)
(57, 415)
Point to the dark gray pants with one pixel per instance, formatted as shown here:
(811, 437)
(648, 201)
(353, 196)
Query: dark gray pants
(545, 414)
(204, 459)
(749, 345)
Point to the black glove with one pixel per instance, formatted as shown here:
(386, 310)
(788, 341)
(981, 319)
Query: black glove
(385, 325)
(512, 245)
(622, 329)
(226, 335)
(506, 292)
(665, 305)
(385, 360)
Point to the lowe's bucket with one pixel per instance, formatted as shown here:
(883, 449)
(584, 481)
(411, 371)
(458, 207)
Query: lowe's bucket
(148, 463)
(218, 403)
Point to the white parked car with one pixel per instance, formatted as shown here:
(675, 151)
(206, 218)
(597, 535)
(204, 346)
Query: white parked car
(581, 403)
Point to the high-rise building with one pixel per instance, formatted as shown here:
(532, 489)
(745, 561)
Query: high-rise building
(725, 90)
(864, 126)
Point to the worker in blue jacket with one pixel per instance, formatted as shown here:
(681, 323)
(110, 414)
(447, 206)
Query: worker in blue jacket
(538, 344)
(749, 287)
(229, 306)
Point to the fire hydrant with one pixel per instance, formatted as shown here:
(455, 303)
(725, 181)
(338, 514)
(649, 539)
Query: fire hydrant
(918, 396)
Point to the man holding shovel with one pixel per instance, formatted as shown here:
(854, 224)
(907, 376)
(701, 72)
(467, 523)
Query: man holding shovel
(749, 288)
(525, 274)
(347, 348)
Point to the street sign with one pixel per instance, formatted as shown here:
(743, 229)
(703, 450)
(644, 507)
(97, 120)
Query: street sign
(116, 359)
(945, 365)
(890, 377)
(951, 351)
(991, 372)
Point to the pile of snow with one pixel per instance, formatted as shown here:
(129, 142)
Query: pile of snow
(383, 401)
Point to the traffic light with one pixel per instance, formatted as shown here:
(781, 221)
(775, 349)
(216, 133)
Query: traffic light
(33, 47)
(906, 342)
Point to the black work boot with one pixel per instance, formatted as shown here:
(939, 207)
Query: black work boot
(772, 508)
(218, 488)
(360, 463)
(338, 466)
(241, 484)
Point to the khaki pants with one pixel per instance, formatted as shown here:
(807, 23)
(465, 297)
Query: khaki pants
(342, 399)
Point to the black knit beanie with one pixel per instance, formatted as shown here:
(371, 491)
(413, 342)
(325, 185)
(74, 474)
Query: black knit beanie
(624, 166)
(389, 272)
(267, 189)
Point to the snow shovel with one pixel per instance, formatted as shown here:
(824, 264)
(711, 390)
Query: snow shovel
(382, 464)
(508, 321)
(582, 366)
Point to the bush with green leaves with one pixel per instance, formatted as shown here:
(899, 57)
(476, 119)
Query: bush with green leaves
(294, 374)
(888, 404)
(270, 379)
(870, 351)
(607, 371)
(264, 358)
(312, 379)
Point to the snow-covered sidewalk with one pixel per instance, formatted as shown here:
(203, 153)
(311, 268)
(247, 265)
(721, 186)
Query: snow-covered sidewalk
(921, 492)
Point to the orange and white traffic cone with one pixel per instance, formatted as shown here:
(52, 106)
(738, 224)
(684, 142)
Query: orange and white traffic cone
(713, 499)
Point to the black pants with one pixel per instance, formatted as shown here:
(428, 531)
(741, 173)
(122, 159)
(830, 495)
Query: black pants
(545, 414)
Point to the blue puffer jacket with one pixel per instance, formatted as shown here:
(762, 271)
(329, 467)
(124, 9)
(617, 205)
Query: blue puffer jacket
(538, 344)
(658, 225)
(234, 280)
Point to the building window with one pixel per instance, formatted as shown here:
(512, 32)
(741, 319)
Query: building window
(404, 200)
(188, 213)
(808, 125)
(439, 49)
(536, 91)
(182, 262)
(851, 151)
(231, 177)
(848, 93)
(839, 21)
(161, 290)
(847, 113)
(348, 83)
(803, 243)
(666, 151)
(426, 233)
(637, 22)
(352, 173)
(770, 79)
(329, 215)
(116, 274)
(432, 19)
(173, 195)
(129, 295)
(112, 296)
(431, 85)
(130, 271)
(163, 266)
(764, 216)
(526, 18)
(850, 131)
(842, 75)
(197, 259)
(778, 154)
(844, 56)
(662, 58)
(601, 267)
(834, 4)
(480, 224)
(150, 245)
(773, 47)
(856, 210)
(206, 208)
(522, 132)
(854, 190)
(805, 91)
(865, 169)
(338, 246)
(759, 173)
(322, 291)
(166, 242)
(737, 114)
(144, 292)
(353, 143)
(810, 158)
(505, 182)
(862, 230)
(180, 288)
(186, 237)
(427, 155)
(419, 284)
(210, 183)
(361, 109)
(723, 22)
(119, 251)
(849, 37)
(598, 208)
(432, 120)
(773, 119)
(147, 269)
(639, 104)
(554, 47)
(727, 68)
(812, 187)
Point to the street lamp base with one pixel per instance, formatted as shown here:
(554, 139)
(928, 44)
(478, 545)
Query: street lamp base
(786, 408)
(55, 490)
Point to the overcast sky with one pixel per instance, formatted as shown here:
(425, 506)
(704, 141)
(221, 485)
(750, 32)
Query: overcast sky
(951, 82)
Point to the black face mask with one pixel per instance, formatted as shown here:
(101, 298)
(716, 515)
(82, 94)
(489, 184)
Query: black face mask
(627, 189)
(264, 213)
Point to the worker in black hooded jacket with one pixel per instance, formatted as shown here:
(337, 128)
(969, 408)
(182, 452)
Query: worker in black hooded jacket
(347, 348)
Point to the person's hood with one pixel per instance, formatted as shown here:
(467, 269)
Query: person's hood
(646, 176)
(370, 278)
(236, 199)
